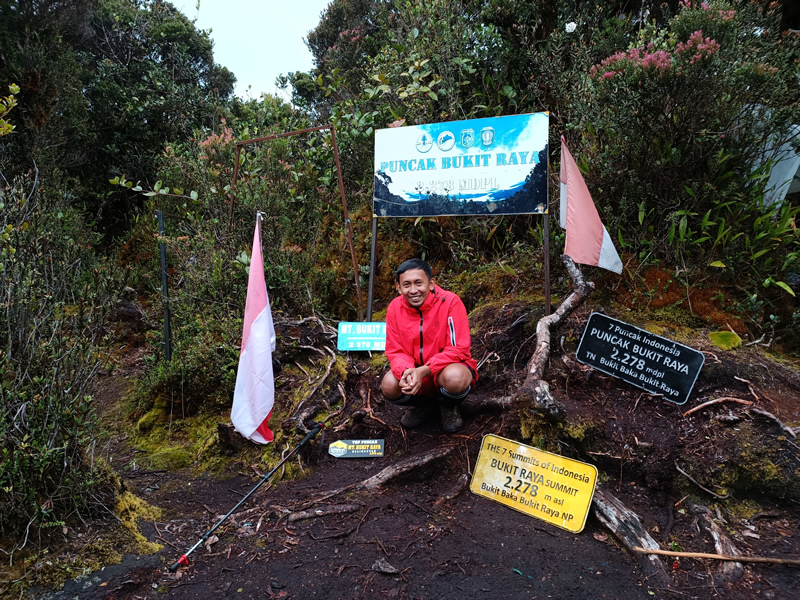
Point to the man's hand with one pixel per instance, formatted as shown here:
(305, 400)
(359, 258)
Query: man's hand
(411, 381)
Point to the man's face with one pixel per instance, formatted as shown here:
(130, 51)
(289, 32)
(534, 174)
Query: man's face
(414, 286)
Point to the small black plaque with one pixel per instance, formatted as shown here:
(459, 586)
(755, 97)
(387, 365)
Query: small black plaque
(648, 361)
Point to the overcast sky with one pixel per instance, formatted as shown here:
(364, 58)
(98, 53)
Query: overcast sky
(257, 39)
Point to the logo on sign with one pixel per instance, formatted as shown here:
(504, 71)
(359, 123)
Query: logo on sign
(446, 141)
(468, 138)
(337, 448)
(424, 143)
(487, 136)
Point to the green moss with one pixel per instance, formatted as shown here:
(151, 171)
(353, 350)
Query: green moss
(131, 509)
(725, 340)
(378, 362)
(340, 367)
(488, 281)
(758, 466)
(674, 313)
(742, 509)
(51, 570)
(170, 459)
(538, 432)
(150, 420)
(54, 571)
(578, 430)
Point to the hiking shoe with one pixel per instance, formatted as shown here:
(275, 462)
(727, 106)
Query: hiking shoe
(451, 418)
(415, 416)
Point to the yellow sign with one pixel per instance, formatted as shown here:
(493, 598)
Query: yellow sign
(356, 448)
(540, 484)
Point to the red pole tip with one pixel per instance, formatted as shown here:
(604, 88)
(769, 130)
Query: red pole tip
(183, 560)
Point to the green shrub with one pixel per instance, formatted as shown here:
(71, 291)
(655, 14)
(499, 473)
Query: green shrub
(55, 295)
(674, 128)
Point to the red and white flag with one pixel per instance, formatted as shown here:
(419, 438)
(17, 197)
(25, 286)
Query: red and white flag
(254, 395)
(588, 241)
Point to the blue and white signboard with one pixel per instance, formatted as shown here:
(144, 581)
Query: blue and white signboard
(494, 166)
(361, 336)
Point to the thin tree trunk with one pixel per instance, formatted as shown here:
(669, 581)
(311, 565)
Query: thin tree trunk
(535, 392)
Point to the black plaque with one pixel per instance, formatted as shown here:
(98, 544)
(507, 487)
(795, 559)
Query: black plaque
(648, 361)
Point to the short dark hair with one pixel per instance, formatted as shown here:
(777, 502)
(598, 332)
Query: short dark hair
(414, 263)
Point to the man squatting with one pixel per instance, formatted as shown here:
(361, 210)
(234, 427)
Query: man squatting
(428, 347)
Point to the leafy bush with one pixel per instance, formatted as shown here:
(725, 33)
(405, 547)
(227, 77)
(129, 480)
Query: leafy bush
(293, 182)
(55, 294)
(675, 125)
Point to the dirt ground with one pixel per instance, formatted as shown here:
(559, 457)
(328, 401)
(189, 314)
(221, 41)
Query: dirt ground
(410, 540)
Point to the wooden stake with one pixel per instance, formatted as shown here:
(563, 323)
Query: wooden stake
(753, 559)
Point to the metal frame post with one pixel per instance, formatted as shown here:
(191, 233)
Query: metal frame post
(546, 263)
(373, 248)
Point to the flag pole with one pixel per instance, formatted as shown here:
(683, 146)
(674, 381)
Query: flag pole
(547, 263)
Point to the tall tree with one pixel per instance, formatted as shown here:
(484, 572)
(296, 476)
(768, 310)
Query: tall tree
(104, 85)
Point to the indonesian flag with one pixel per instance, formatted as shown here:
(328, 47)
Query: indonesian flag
(588, 241)
(254, 395)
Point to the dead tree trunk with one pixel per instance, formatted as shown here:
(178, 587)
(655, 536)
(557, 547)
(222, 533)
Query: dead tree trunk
(626, 525)
(535, 392)
(728, 571)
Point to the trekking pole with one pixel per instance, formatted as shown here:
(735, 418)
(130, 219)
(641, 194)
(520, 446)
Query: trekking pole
(183, 560)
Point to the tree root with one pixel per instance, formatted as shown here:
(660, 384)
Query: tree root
(775, 419)
(318, 383)
(475, 405)
(698, 484)
(717, 401)
(454, 491)
(535, 392)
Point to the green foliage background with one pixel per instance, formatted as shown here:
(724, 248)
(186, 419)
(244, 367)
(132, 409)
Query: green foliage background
(666, 132)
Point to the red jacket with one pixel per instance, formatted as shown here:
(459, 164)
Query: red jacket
(436, 334)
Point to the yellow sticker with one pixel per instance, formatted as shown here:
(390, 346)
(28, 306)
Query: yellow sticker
(541, 484)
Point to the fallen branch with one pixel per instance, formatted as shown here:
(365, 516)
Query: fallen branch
(628, 528)
(331, 536)
(404, 466)
(769, 415)
(333, 509)
(390, 472)
(235, 520)
(717, 401)
(535, 392)
(751, 559)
